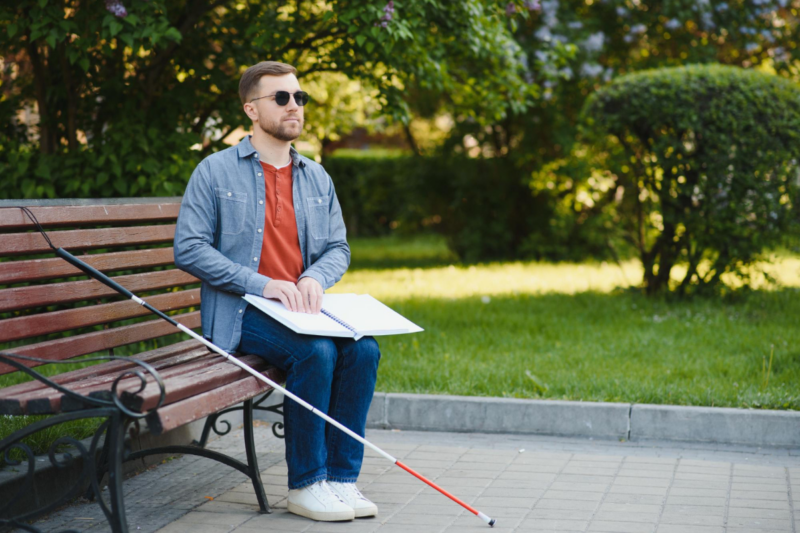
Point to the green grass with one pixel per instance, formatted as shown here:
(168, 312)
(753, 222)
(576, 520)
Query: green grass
(578, 332)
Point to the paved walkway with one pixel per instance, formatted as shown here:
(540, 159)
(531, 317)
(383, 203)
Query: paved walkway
(528, 483)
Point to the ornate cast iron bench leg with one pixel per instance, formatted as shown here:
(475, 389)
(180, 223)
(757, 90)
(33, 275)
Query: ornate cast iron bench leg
(211, 421)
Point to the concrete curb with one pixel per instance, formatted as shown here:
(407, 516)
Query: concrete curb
(749, 427)
(752, 427)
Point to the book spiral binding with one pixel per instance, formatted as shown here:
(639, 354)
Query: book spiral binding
(338, 320)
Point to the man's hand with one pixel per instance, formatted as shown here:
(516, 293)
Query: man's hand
(287, 293)
(311, 291)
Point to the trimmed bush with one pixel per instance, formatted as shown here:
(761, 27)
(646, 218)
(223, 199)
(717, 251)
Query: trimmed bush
(711, 170)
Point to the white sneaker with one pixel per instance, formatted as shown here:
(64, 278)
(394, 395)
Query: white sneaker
(353, 497)
(319, 502)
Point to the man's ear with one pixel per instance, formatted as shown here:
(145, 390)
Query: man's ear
(250, 111)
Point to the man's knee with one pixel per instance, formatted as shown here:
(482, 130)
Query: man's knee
(367, 351)
(319, 353)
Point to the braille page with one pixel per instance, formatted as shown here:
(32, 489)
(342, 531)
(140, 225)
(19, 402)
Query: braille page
(303, 323)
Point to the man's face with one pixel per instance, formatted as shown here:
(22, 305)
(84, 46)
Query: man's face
(285, 123)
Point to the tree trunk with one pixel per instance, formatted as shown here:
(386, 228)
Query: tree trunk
(72, 132)
(47, 144)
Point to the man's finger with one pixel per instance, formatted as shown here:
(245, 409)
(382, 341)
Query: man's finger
(312, 301)
(304, 297)
(284, 300)
(298, 299)
(318, 292)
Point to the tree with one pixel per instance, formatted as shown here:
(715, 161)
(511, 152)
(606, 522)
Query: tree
(123, 91)
(713, 161)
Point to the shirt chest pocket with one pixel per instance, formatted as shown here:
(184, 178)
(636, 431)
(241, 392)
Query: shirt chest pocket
(232, 207)
(318, 216)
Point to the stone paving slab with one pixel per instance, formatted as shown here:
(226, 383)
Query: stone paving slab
(528, 483)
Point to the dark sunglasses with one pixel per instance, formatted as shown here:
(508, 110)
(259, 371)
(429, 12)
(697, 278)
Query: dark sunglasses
(282, 97)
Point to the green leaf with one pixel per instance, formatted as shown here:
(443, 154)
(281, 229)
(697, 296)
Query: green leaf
(120, 185)
(360, 39)
(12, 30)
(370, 47)
(51, 40)
(84, 63)
(173, 34)
(114, 28)
(42, 3)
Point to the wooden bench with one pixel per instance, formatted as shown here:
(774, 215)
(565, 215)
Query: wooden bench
(50, 311)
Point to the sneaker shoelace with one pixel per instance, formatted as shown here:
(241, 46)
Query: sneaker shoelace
(353, 491)
(326, 490)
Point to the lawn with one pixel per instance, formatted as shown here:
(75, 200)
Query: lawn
(577, 332)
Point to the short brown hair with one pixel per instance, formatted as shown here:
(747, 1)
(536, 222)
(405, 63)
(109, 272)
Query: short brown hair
(253, 75)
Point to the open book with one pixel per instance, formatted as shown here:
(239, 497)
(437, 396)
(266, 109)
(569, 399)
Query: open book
(342, 315)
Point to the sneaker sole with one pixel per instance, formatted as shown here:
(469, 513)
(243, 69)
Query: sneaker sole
(367, 512)
(321, 516)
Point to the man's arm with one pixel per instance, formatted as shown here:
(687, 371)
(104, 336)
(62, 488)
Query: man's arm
(333, 263)
(194, 241)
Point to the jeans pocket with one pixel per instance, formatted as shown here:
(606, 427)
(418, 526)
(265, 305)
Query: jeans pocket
(318, 216)
(231, 210)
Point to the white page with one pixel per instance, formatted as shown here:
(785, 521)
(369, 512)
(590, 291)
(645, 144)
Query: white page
(367, 315)
(304, 323)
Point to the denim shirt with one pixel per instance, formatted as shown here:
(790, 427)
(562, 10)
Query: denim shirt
(220, 231)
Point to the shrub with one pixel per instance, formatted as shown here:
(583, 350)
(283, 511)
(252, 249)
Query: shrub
(482, 206)
(711, 172)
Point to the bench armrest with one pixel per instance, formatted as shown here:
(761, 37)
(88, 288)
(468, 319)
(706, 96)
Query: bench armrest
(127, 402)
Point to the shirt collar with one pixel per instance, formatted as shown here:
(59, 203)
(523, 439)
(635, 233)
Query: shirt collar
(246, 149)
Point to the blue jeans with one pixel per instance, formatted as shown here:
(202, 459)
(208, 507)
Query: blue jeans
(335, 375)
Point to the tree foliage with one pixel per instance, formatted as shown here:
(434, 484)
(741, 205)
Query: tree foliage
(122, 92)
(711, 166)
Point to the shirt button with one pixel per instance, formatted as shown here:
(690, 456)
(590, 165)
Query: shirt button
(319, 201)
(229, 194)
(240, 310)
(259, 230)
(260, 202)
(256, 156)
(255, 259)
(259, 173)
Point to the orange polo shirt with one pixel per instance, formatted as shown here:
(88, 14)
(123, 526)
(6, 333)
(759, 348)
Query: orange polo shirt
(280, 250)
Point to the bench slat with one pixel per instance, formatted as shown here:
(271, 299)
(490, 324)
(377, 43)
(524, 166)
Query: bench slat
(111, 367)
(44, 400)
(191, 409)
(89, 214)
(41, 324)
(98, 341)
(181, 380)
(85, 239)
(74, 291)
(41, 269)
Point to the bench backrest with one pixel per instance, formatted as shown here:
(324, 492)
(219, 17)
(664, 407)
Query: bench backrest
(50, 310)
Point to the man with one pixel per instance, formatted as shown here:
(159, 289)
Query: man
(259, 218)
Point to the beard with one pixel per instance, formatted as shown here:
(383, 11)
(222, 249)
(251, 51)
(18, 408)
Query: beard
(281, 130)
